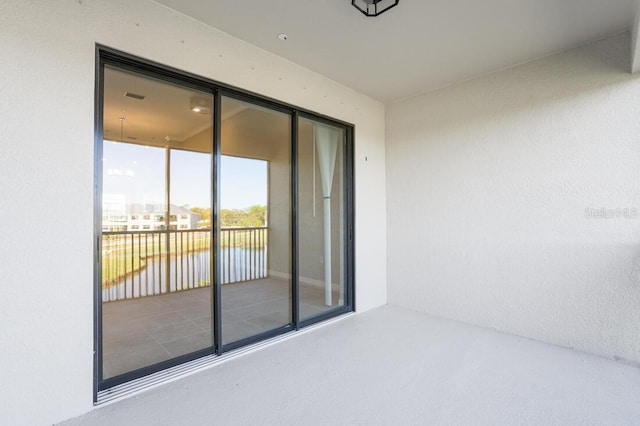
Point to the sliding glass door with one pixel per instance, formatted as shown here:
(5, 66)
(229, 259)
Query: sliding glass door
(322, 214)
(156, 229)
(222, 219)
(255, 221)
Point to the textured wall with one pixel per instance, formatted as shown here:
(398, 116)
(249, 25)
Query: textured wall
(46, 175)
(488, 186)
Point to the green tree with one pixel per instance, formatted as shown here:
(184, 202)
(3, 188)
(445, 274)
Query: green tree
(231, 218)
(255, 216)
(251, 217)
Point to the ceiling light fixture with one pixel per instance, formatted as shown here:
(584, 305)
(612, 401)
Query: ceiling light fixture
(200, 105)
(122, 128)
(134, 96)
(374, 7)
(283, 37)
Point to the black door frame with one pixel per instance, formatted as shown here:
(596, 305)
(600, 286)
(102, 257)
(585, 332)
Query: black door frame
(124, 61)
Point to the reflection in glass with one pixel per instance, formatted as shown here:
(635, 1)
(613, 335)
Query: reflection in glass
(255, 235)
(156, 226)
(321, 218)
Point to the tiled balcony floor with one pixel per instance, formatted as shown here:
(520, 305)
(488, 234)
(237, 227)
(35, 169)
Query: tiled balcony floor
(148, 330)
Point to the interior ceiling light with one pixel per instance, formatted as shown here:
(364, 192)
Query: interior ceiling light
(200, 105)
(283, 36)
(374, 7)
(134, 96)
(121, 128)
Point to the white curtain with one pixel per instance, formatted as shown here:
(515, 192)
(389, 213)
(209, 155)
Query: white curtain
(327, 139)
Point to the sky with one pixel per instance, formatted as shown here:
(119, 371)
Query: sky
(138, 172)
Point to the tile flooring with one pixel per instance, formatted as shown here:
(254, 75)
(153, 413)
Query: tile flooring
(142, 332)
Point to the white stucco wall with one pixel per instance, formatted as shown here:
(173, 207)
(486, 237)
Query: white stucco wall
(487, 186)
(46, 175)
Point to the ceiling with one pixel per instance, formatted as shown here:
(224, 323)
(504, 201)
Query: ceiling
(418, 46)
(164, 116)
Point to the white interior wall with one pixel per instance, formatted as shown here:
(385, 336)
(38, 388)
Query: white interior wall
(46, 170)
(488, 183)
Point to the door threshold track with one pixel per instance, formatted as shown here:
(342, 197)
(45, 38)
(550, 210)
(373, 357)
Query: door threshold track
(142, 384)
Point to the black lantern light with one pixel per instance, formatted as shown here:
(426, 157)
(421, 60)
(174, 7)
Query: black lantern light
(374, 7)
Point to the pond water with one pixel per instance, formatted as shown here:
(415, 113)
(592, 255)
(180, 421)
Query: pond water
(188, 271)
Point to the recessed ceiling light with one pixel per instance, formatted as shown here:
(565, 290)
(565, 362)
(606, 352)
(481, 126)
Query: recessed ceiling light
(283, 37)
(200, 105)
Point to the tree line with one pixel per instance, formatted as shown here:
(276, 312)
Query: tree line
(250, 217)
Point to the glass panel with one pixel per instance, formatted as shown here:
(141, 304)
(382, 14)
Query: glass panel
(255, 236)
(156, 227)
(321, 215)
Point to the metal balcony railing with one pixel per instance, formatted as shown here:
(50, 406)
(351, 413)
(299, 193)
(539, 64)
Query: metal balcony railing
(146, 263)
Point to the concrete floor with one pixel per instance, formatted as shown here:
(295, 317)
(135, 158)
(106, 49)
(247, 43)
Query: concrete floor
(144, 331)
(393, 366)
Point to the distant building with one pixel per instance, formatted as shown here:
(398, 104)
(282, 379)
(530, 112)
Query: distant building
(152, 217)
(114, 213)
(117, 217)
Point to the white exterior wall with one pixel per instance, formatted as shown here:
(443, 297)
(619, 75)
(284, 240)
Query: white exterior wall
(46, 174)
(487, 186)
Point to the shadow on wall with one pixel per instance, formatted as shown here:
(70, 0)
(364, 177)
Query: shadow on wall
(490, 185)
(558, 78)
